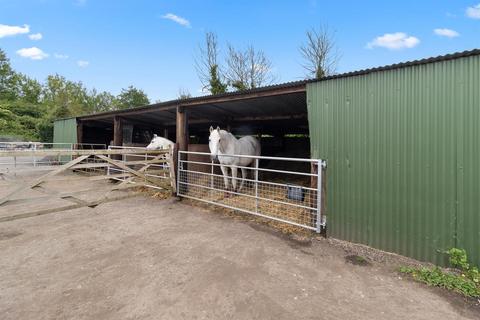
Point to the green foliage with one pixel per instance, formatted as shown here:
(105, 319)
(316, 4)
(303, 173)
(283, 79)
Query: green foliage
(464, 279)
(132, 98)
(28, 107)
(8, 79)
(239, 85)
(184, 94)
(45, 130)
(101, 102)
(216, 85)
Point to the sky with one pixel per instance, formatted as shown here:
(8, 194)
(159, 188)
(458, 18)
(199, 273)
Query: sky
(111, 44)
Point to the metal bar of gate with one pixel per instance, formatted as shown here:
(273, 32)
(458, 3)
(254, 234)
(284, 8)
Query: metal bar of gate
(276, 200)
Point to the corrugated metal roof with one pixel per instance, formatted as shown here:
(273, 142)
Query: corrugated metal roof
(282, 86)
(456, 55)
(185, 102)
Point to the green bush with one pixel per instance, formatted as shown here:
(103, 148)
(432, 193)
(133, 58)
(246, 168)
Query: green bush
(463, 279)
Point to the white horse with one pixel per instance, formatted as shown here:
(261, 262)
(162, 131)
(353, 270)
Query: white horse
(222, 143)
(159, 143)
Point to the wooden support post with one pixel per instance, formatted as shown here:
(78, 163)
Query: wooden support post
(79, 134)
(117, 134)
(165, 133)
(182, 136)
(182, 129)
(117, 131)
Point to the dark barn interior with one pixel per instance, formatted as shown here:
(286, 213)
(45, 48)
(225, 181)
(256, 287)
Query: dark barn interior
(276, 114)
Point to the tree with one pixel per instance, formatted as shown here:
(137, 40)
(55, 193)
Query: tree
(101, 101)
(31, 89)
(8, 79)
(248, 69)
(131, 98)
(183, 94)
(208, 70)
(320, 53)
(65, 98)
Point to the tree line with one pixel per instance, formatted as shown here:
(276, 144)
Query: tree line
(29, 107)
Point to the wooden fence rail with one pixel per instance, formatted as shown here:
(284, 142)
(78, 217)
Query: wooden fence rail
(100, 163)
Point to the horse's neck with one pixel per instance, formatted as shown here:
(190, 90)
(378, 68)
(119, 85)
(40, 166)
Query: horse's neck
(165, 141)
(230, 143)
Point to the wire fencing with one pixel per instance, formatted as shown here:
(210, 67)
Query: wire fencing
(281, 189)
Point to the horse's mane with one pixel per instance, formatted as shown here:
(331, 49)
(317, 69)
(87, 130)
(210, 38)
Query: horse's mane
(225, 136)
(225, 133)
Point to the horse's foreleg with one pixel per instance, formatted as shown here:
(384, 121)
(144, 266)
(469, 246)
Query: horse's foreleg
(244, 175)
(225, 176)
(234, 177)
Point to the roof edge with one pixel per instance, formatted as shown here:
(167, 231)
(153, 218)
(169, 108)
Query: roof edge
(446, 57)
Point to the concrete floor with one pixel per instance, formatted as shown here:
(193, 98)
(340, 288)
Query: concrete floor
(143, 258)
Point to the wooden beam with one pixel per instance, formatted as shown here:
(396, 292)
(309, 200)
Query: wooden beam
(182, 129)
(117, 131)
(142, 169)
(239, 120)
(168, 106)
(41, 179)
(76, 153)
(120, 165)
(65, 208)
(128, 163)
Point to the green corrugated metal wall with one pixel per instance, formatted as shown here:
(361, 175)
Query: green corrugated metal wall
(403, 157)
(65, 131)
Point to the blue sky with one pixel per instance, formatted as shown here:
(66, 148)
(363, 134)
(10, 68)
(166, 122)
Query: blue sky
(110, 44)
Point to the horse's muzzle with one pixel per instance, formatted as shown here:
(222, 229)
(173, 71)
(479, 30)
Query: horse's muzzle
(214, 158)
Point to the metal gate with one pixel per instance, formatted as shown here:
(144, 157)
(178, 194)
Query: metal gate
(281, 189)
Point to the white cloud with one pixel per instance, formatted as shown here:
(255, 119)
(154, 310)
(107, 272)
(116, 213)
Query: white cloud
(60, 56)
(33, 53)
(449, 33)
(35, 36)
(473, 12)
(8, 31)
(83, 63)
(394, 41)
(180, 20)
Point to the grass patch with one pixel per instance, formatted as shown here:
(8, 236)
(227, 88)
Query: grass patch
(357, 260)
(463, 278)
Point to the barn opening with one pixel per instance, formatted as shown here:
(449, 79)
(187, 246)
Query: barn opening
(282, 184)
(277, 115)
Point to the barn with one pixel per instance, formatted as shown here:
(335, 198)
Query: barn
(400, 141)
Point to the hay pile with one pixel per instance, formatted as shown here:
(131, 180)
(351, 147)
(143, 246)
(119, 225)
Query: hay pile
(211, 189)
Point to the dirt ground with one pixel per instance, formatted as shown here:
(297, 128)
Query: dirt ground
(144, 258)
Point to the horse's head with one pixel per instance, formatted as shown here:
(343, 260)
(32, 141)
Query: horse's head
(214, 142)
(157, 143)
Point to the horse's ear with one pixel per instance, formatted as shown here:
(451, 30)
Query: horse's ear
(211, 129)
(218, 128)
(155, 135)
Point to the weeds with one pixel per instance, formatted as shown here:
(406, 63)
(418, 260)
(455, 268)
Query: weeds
(464, 279)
